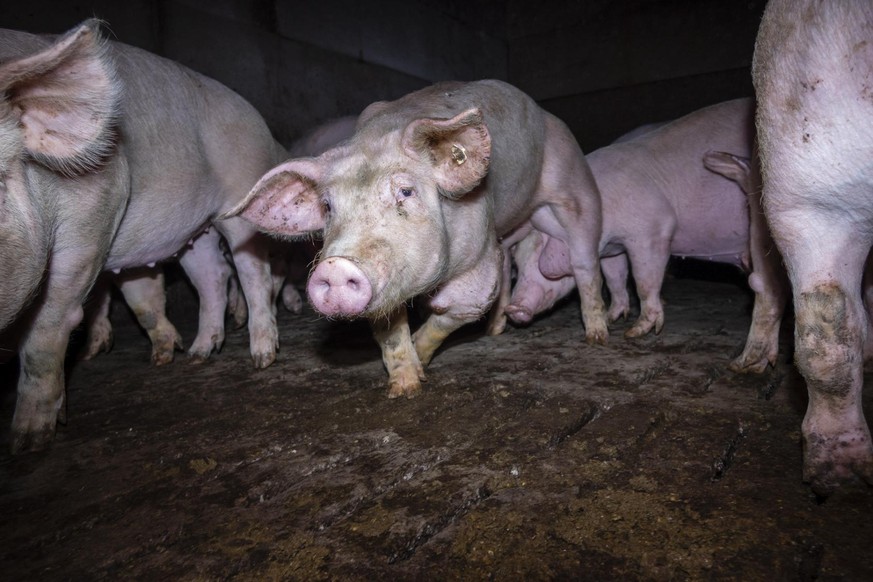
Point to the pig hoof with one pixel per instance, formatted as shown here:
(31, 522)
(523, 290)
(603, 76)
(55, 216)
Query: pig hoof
(741, 366)
(834, 461)
(409, 390)
(496, 327)
(600, 338)
(162, 357)
(30, 442)
(262, 361)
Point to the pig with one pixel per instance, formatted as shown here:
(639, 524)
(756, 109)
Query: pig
(112, 158)
(812, 71)
(415, 203)
(213, 279)
(658, 200)
(536, 293)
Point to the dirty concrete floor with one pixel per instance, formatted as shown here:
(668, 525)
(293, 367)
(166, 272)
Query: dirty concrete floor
(529, 456)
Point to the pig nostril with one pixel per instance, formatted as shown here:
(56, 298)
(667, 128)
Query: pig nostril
(354, 284)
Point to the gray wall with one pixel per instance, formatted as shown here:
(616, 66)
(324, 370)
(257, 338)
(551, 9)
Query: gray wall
(300, 63)
(604, 66)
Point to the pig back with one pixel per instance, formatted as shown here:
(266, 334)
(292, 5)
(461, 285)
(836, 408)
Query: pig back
(194, 148)
(663, 172)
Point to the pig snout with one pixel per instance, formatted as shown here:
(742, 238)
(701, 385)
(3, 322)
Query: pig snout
(337, 287)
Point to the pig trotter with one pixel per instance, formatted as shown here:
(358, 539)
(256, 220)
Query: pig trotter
(34, 423)
(831, 461)
(291, 299)
(165, 342)
(645, 324)
(99, 340)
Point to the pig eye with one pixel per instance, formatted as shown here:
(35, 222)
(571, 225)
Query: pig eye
(406, 192)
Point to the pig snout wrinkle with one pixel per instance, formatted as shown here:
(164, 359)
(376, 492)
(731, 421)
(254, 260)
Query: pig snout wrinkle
(339, 288)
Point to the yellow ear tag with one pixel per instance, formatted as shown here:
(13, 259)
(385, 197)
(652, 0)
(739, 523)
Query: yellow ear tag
(459, 154)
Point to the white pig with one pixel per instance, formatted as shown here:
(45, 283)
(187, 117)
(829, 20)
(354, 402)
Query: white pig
(415, 202)
(813, 74)
(111, 158)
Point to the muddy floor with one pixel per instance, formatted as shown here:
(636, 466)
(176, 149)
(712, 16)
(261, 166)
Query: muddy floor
(529, 456)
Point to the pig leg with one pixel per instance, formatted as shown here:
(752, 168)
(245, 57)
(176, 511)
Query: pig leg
(208, 271)
(460, 301)
(405, 372)
(251, 256)
(649, 265)
(770, 283)
(615, 273)
(574, 215)
(497, 318)
(283, 286)
(75, 264)
(830, 329)
(236, 303)
(143, 290)
(99, 328)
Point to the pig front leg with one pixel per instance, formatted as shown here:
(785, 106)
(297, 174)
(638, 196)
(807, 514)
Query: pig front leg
(99, 327)
(830, 332)
(250, 251)
(462, 300)
(143, 290)
(405, 372)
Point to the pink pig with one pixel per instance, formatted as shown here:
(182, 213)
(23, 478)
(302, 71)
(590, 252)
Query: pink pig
(812, 71)
(658, 200)
(415, 202)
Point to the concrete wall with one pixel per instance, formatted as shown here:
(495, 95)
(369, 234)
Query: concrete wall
(604, 66)
(300, 63)
(607, 66)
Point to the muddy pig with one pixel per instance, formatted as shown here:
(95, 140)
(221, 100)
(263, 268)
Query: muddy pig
(415, 203)
(658, 200)
(812, 72)
(112, 158)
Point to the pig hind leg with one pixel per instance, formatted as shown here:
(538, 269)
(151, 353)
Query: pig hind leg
(615, 273)
(143, 290)
(98, 326)
(830, 331)
(209, 272)
(41, 398)
(649, 265)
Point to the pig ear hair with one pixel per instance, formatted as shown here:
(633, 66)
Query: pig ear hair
(67, 97)
(458, 148)
(285, 201)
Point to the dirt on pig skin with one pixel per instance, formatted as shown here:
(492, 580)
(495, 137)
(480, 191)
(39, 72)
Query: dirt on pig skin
(529, 456)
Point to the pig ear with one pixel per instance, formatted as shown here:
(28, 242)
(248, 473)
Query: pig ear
(732, 167)
(285, 201)
(67, 100)
(458, 148)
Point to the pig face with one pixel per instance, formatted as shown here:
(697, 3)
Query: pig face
(384, 203)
